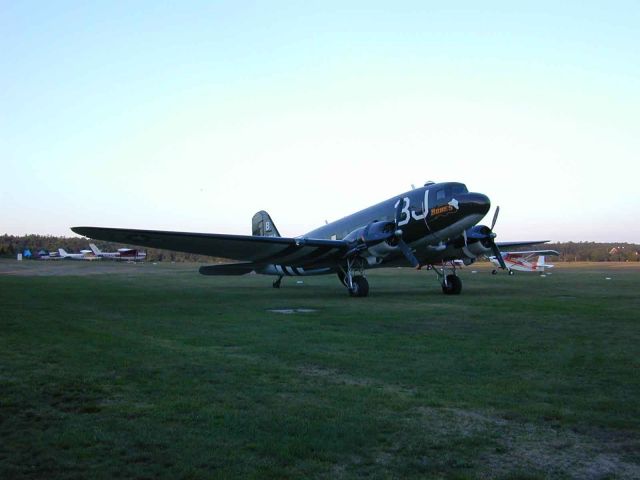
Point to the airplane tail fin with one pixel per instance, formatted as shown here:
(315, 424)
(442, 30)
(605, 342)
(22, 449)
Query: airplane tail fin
(62, 252)
(263, 226)
(542, 265)
(96, 251)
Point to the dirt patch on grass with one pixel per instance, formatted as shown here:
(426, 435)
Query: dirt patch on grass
(337, 377)
(539, 449)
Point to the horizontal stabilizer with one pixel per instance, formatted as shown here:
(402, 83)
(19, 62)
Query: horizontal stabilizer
(228, 269)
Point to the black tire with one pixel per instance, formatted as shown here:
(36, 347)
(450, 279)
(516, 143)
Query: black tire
(360, 287)
(494, 272)
(453, 285)
(510, 272)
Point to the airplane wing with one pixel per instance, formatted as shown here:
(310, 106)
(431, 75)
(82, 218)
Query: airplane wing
(531, 252)
(502, 245)
(256, 249)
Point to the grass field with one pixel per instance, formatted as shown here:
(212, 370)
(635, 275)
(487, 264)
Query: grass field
(146, 371)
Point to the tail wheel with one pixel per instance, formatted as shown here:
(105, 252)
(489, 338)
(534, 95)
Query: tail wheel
(360, 287)
(453, 285)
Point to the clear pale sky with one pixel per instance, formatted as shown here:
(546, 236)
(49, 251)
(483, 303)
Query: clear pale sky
(194, 115)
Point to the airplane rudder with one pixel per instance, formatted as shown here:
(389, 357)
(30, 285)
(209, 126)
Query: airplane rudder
(263, 226)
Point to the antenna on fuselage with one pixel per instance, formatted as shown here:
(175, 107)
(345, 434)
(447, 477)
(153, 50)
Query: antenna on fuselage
(413, 187)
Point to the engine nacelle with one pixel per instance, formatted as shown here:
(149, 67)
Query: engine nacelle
(378, 239)
(381, 249)
(476, 249)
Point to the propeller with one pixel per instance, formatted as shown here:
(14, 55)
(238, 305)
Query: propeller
(495, 217)
(383, 231)
(487, 237)
(404, 248)
(494, 247)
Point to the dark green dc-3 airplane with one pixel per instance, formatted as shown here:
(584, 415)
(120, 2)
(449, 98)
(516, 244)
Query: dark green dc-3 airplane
(435, 226)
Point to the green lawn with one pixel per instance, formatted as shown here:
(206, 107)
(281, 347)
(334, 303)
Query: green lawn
(145, 371)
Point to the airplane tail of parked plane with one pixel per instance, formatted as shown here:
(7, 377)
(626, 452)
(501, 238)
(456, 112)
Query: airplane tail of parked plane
(62, 252)
(263, 226)
(96, 251)
(540, 263)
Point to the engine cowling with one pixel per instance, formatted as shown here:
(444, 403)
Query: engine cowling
(477, 242)
(377, 239)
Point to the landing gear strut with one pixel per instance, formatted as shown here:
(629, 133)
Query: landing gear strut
(276, 283)
(451, 283)
(357, 285)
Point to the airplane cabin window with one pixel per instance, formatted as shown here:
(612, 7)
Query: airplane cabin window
(440, 194)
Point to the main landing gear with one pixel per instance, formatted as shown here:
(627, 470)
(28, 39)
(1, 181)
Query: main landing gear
(357, 285)
(451, 283)
(495, 272)
(276, 283)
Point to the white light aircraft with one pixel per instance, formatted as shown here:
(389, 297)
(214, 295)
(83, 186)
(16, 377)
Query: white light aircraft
(121, 254)
(83, 255)
(530, 261)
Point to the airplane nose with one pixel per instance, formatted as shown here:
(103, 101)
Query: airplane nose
(477, 203)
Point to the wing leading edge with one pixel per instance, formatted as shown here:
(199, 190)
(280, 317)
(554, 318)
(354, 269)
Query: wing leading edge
(518, 244)
(247, 248)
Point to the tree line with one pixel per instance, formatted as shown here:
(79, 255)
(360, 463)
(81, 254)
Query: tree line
(592, 251)
(10, 245)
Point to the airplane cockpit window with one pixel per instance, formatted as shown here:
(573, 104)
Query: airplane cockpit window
(459, 189)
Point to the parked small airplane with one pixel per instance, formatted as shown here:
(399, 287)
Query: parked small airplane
(531, 261)
(129, 254)
(429, 226)
(83, 255)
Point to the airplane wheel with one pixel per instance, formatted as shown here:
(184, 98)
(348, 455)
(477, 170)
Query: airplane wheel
(453, 285)
(494, 272)
(360, 287)
(510, 272)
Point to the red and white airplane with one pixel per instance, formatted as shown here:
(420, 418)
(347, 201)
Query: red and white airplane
(122, 253)
(530, 261)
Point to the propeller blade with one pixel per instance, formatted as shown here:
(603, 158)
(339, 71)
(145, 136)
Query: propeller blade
(406, 251)
(498, 255)
(398, 211)
(495, 217)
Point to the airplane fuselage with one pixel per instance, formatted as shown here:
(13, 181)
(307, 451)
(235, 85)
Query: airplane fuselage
(429, 218)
